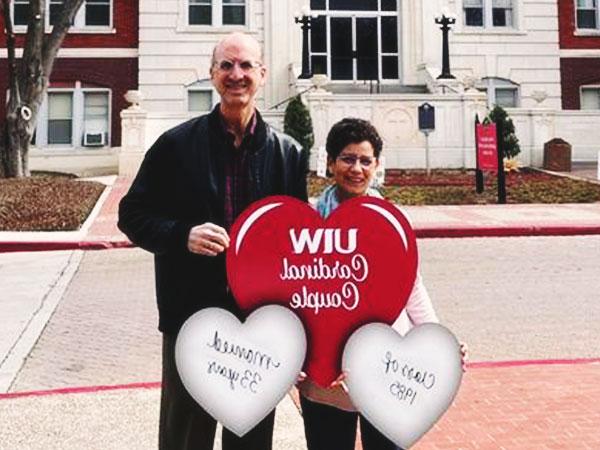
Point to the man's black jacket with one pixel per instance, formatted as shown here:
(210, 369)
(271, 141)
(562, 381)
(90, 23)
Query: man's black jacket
(180, 184)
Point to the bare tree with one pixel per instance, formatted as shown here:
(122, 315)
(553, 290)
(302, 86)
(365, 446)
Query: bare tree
(28, 79)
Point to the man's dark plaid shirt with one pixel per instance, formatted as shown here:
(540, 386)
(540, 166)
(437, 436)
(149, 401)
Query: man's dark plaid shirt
(238, 188)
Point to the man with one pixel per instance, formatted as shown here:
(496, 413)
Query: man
(194, 181)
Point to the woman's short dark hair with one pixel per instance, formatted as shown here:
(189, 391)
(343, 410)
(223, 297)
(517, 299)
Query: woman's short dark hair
(352, 131)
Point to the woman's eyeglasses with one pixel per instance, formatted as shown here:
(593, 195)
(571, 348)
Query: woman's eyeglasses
(226, 65)
(350, 160)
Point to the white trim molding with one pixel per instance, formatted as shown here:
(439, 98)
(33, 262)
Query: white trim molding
(84, 53)
(580, 53)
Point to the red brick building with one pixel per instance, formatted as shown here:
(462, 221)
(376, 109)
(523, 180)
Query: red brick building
(579, 24)
(97, 64)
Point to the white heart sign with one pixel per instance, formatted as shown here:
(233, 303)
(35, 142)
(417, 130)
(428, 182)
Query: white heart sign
(239, 372)
(402, 385)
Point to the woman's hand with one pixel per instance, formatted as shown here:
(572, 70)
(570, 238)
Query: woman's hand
(336, 394)
(464, 355)
(301, 377)
(339, 382)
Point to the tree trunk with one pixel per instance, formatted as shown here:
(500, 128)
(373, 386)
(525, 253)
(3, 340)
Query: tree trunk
(3, 135)
(28, 80)
(17, 134)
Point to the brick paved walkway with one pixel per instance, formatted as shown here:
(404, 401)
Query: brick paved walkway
(104, 227)
(104, 332)
(530, 407)
(104, 329)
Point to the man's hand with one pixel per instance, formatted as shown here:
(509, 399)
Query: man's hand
(208, 239)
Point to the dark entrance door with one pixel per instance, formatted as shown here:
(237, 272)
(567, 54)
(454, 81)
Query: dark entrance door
(350, 64)
(367, 57)
(342, 54)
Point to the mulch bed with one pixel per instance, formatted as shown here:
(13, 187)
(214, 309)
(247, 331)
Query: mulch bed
(46, 202)
(58, 202)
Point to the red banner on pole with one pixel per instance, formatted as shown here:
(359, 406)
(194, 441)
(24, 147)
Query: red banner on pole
(487, 147)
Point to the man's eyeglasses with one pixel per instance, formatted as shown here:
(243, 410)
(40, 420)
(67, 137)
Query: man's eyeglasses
(350, 160)
(246, 66)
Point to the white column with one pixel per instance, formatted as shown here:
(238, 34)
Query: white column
(133, 131)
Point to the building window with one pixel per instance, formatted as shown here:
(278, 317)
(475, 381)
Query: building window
(500, 92)
(200, 100)
(74, 118)
(60, 118)
(488, 13)
(217, 12)
(95, 118)
(234, 12)
(506, 97)
(588, 14)
(590, 97)
(92, 13)
(200, 12)
(55, 8)
(473, 13)
(20, 12)
(97, 13)
(355, 39)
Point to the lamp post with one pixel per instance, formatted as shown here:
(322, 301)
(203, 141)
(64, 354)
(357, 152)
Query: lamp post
(305, 18)
(445, 21)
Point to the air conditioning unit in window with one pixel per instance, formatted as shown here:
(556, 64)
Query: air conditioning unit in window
(94, 139)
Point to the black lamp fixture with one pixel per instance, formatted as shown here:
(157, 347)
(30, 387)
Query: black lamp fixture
(445, 21)
(305, 18)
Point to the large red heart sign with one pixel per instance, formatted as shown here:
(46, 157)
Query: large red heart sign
(357, 266)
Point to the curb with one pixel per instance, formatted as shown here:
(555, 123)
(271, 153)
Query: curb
(33, 246)
(422, 233)
(570, 175)
(514, 231)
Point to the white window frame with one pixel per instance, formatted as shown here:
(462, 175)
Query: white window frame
(492, 84)
(353, 15)
(200, 88)
(461, 26)
(78, 26)
(78, 120)
(588, 30)
(217, 25)
(587, 86)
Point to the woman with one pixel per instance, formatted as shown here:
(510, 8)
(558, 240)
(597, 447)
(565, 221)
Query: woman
(353, 148)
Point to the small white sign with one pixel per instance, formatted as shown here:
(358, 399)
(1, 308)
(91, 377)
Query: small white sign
(379, 178)
(239, 372)
(322, 162)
